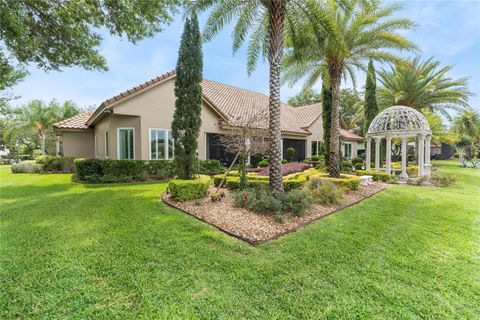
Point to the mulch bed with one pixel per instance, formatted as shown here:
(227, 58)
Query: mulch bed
(256, 228)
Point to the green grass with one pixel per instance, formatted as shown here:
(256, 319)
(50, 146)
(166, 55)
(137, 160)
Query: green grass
(115, 251)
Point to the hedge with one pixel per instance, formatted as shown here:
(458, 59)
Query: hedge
(210, 167)
(96, 170)
(346, 180)
(233, 183)
(376, 176)
(28, 166)
(56, 164)
(182, 190)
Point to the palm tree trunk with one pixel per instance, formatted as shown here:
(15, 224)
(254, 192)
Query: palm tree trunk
(335, 73)
(41, 137)
(276, 14)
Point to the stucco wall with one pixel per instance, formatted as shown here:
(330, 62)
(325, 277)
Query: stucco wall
(78, 144)
(100, 128)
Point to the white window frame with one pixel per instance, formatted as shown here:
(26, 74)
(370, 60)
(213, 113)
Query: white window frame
(118, 141)
(319, 144)
(351, 150)
(166, 131)
(106, 137)
(96, 146)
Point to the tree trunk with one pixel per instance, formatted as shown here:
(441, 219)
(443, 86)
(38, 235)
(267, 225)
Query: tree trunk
(41, 137)
(276, 14)
(335, 78)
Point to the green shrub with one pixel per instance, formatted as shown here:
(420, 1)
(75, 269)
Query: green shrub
(346, 181)
(284, 161)
(346, 166)
(264, 201)
(295, 202)
(358, 166)
(160, 169)
(56, 164)
(290, 154)
(323, 191)
(264, 163)
(376, 176)
(119, 170)
(315, 158)
(443, 181)
(28, 166)
(210, 167)
(356, 160)
(182, 190)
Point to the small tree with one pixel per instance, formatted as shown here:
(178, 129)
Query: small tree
(371, 106)
(188, 91)
(245, 137)
(290, 154)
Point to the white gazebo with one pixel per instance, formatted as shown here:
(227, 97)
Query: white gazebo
(400, 122)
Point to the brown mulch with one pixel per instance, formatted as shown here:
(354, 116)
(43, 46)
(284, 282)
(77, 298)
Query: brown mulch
(256, 228)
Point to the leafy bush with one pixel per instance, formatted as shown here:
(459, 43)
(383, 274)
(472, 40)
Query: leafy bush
(28, 166)
(122, 170)
(356, 160)
(264, 163)
(376, 176)
(323, 191)
(182, 190)
(443, 181)
(264, 201)
(210, 166)
(56, 164)
(346, 181)
(358, 166)
(315, 158)
(290, 154)
(284, 161)
(346, 166)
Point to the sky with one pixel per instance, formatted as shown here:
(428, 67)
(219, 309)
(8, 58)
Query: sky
(447, 30)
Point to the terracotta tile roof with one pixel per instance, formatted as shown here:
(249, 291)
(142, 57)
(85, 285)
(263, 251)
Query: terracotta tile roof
(347, 135)
(232, 103)
(76, 122)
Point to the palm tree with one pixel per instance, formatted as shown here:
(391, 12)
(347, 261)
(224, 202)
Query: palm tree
(264, 22)
(361, 31)
(40, 116)
(439, 129)
(422, 85)
(467, 124)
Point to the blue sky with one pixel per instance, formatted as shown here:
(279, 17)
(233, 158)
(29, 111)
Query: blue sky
(448, 30)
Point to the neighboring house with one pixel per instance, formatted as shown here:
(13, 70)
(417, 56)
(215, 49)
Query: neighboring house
(136, 124)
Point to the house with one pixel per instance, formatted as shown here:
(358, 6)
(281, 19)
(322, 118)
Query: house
(136, 124)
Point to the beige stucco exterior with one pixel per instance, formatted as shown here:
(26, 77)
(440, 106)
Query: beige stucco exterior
(153, 109)
(78, 144)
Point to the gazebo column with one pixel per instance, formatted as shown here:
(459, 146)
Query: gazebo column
(388, 156)
(404, 174)
(421, 154)
(57, 146)
(377, 154)
(369, 153)
(427, 156)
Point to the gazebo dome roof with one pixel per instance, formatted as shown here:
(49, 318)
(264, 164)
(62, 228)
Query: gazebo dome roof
(399, 121)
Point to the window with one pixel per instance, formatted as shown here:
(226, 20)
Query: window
(96, 146)
(126, 144)
(107, 154)
(161, 144)
(316, 148)
(347, 150)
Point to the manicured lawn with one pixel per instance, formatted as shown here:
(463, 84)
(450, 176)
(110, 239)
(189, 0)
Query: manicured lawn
(80, 251)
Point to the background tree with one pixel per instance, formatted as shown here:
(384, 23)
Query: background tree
(422, 85)
(361, 31)
(264, 22)
(371, 106)
(188, 92)
(351, 109)
(467, 123)
(305, 97)
(29, 127)
(439, 129)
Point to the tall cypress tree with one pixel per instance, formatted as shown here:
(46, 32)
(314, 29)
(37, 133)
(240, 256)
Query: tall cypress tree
(188, 92)
(371, 106)
(327, 119)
